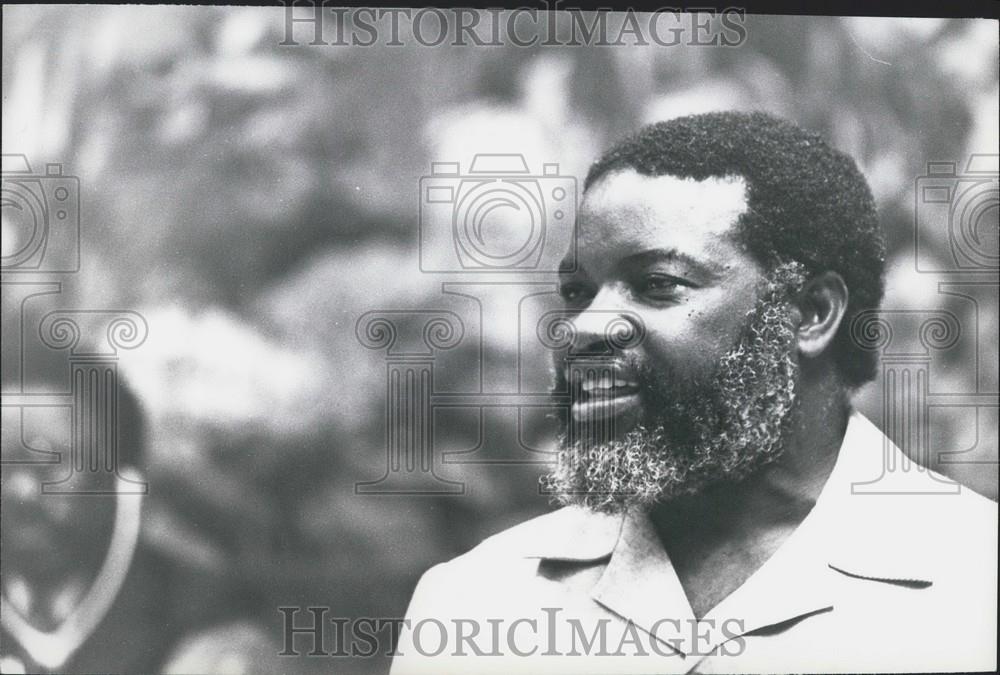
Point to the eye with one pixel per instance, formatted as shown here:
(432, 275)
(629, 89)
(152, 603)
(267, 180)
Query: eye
(575, 292)
(660, 286)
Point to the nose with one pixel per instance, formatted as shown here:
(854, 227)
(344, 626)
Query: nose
(605, 327)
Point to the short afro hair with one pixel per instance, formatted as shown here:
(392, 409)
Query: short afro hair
(807, 202)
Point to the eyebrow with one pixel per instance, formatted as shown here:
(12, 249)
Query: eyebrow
(655, 255)
(647, 258)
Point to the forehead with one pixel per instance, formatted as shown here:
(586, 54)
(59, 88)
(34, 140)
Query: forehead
(626, 212)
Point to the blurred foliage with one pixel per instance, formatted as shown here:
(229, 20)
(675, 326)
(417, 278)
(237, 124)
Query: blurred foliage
(253, 200)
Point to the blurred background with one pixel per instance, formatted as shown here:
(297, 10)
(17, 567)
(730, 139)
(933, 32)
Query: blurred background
(253, 200)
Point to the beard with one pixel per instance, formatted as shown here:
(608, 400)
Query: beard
(694, 433)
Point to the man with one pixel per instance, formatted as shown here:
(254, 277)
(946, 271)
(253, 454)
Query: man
(88, 583)
(74, 598)
(715, 529)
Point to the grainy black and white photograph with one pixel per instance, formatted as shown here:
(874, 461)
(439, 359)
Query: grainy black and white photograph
(523, 339)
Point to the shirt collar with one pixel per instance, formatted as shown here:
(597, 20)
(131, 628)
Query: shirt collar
(847, 533)
(874, 533)
(574, 534)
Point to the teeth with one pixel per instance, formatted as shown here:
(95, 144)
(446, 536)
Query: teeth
(605, 382)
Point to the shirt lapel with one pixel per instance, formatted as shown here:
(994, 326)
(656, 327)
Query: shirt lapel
(878, 536)
(794, 583)
(858, 535)
(640, 585)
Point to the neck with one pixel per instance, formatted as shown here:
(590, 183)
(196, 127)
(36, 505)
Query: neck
(728, 531)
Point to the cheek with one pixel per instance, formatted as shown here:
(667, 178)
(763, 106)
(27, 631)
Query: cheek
(682, 350)
(690, 339)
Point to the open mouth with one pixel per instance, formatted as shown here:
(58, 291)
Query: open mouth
(602, 392)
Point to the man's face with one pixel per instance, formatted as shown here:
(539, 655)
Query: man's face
(704, 397)
(47, 536)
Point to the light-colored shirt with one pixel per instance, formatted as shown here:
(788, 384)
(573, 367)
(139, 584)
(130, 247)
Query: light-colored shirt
(905, 580)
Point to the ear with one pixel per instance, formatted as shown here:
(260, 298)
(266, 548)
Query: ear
(821, 304)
